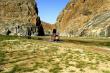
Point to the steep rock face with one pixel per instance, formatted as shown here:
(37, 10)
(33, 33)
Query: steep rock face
(16, 15)
(85, 18)
(48, 28)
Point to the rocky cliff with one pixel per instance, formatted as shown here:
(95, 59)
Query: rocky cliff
(85, 18)
(48, 28)
(17, 15)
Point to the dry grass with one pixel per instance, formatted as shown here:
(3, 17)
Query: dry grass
(37, 56)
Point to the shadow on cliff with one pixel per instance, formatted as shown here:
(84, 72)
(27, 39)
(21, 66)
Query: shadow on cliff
(40, 27)
(38, 23)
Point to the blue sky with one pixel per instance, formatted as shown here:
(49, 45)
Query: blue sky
(50, 9)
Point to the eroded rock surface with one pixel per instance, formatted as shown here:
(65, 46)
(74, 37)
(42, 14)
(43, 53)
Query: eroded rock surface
(48, 28)
(17, 15)
(85, 18)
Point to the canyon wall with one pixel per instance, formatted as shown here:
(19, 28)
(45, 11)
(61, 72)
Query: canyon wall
(17, 15)
(48, 28)
(85, 18)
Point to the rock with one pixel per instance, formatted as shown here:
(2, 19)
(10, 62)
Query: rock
(17, 13)
(48, 28)
(85, 18)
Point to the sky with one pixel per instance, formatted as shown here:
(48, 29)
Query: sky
(50, 9)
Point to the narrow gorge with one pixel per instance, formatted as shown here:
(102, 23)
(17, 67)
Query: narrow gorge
(78, 18)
